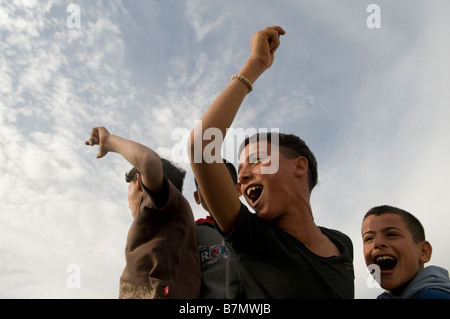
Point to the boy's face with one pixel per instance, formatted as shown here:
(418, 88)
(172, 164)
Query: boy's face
(388, 243)
(267, 194)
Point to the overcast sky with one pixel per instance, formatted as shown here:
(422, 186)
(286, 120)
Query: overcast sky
(372, 104)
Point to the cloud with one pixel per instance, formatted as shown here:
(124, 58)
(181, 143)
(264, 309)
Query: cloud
(199, 16)
(372, 105)
(55, 83)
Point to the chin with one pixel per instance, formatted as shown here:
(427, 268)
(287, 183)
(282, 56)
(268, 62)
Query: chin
(265, 215)
(388, 284)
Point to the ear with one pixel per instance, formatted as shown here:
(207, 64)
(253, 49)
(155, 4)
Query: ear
(197, 198)
(301, 166)
(138, 182)
(426, 251)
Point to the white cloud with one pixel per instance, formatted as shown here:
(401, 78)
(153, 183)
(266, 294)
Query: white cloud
(372, 106)
(205, 17)
(48, 186)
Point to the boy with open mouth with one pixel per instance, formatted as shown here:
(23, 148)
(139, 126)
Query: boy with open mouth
(279, 252)
(394, 240)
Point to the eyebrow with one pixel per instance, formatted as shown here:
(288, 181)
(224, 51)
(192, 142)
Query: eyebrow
(368, 232)
(383, 230)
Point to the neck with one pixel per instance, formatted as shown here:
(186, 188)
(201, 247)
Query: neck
(299, 222)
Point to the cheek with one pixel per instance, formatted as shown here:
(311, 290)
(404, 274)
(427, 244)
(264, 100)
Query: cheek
(367, 249)
(130, 192)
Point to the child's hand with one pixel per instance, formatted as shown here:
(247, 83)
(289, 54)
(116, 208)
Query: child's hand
(263, 45)
(99, 136)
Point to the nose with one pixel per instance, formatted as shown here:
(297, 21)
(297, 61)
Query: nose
(244, 174)
(379, 242)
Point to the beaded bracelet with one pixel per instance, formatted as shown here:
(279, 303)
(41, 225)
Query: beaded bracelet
(243, 79)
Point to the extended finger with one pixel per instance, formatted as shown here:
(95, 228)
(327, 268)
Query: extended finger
(93, 140)
(278, 29)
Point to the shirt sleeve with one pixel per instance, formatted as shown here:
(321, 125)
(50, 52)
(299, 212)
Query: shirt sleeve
(159, 199)
(242, 219)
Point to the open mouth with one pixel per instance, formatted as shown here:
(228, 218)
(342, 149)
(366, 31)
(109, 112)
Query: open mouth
(386, 262)
(254, 192)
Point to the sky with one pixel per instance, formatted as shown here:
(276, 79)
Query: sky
(371, 101)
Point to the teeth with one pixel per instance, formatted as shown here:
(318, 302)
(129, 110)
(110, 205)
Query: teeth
(253, 188)
(384, 258)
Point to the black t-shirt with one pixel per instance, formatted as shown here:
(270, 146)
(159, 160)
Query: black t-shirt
(267, 262)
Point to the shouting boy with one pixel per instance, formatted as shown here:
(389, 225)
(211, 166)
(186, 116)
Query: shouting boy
(394, 240)
(279, 252)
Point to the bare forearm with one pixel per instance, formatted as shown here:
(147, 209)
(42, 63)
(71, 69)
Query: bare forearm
(217, 187)
(143, 158)
(213, 178)
(221, 113)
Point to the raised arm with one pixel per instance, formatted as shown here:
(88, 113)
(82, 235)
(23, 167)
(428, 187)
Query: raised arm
(143, 158)
(213, 179)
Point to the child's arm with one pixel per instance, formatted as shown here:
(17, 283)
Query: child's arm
(213, 179)
(143, 158)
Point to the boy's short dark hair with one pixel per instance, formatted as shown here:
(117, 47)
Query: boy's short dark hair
(413, 224)
(231, 169)
(173, 173)
(291, 146)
